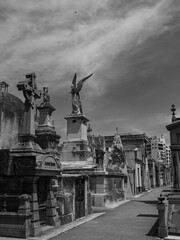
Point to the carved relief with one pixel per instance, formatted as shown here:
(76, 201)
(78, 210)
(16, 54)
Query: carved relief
(25, 165)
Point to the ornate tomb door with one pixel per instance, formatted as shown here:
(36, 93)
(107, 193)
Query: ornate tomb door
(42, 198)
(79, 198)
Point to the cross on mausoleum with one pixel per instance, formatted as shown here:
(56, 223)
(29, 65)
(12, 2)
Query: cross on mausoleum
(31, 93)
(29, 88)
(173, 110)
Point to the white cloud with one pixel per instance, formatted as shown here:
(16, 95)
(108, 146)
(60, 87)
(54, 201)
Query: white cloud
(56, 37)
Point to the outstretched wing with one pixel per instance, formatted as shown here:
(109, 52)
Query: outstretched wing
(74, 81)
(80, 83)
(84, 79)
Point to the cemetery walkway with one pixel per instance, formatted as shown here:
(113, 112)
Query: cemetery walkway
(136, 219)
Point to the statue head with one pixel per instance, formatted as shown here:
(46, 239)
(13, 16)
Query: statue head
(72, 89)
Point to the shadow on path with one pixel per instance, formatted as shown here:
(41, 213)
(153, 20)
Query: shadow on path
(147, 215)
(154, 230)
(147, 201)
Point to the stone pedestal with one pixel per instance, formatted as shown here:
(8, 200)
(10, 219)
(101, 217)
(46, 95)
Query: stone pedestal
(76, 127)
(45, 132)
(99, 199)
(162, 217)
(46, 123)
(51, 212)
(26, 147)
(75, 147)
(74, 151)
(101, 183)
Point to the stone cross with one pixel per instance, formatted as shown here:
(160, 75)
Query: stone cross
(31, 93)
(29, 88)
(173, 110)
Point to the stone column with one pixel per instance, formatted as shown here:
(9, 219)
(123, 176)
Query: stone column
(176, 165)
(100, 196)
(74, 201)
(36, 228)
(24, 208)
(52, 217)
(123, 190)
(162, 207)
(86, 196)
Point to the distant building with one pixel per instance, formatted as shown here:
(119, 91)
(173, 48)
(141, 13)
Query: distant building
(156, 148)
(168, 156)
(158, 154)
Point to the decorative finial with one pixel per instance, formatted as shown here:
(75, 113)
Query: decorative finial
(161, 198)
(173, 110)
(4, 87)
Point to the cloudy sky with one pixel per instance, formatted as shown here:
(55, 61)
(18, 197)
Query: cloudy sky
(131, 46)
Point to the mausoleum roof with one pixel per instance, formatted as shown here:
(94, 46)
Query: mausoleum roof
(11, 103)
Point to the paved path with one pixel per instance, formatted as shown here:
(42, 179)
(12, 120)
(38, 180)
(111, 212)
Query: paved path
(136, 219)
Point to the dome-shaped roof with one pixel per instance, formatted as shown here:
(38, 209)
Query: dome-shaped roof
(11, 110)
(11, 103)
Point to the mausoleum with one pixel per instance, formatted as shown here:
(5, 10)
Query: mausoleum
(76, 165)
(27, 202)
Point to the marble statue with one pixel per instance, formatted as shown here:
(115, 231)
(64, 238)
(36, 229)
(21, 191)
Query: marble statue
(75, 90)
(46, 97)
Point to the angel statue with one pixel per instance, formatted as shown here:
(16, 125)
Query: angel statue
(75, 90)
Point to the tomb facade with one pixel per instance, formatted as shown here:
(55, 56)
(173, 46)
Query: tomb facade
(27, 202)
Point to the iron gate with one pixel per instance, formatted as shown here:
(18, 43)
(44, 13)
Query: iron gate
(79, 198)
(42, 198)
